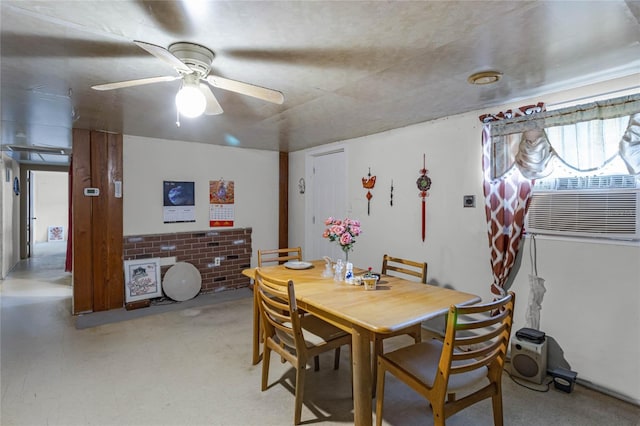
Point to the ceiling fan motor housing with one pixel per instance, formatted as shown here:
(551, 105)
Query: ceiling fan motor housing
(195, 56)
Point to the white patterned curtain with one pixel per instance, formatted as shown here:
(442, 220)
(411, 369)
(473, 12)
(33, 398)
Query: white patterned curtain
(506, 202)
(584, 138)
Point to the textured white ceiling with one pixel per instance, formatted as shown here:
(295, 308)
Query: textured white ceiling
(346, 69)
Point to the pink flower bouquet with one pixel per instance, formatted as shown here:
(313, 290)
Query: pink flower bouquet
(343, 231)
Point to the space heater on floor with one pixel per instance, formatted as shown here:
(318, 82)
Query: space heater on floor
(529, 355)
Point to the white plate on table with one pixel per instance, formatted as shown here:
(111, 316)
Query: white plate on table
(296, 264)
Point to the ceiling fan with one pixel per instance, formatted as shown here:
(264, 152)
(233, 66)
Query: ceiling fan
(193, 64)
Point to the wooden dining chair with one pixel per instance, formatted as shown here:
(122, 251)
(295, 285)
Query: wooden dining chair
(295, 337)
(407, 268)
(399, 267)
(267, 257)
(279, 256)
(473, 352)
(402, 268)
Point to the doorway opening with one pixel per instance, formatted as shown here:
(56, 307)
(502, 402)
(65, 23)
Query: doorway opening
(48, 215)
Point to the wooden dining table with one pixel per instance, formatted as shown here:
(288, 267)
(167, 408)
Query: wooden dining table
(395, 304)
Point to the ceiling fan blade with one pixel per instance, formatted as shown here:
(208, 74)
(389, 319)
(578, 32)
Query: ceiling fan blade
(163, 54)
(213, 107)
(130, 83)
(263, 93)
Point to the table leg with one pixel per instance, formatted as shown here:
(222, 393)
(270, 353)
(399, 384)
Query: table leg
(361, 360)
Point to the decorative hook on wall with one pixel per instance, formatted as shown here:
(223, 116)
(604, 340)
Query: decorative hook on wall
(424, 184)
(368, 183)
(301, 186)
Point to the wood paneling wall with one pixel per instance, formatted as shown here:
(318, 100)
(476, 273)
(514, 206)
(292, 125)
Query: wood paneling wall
(98, 277)
(283, 201)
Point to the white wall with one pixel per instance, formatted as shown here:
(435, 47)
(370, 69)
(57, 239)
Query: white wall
(592, 304)
(10, 221)
(148, 162)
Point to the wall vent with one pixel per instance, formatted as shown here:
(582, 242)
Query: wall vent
(588, 182)
(612, 213)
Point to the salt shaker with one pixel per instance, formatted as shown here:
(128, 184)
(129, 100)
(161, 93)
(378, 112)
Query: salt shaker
(338, 270)
(348, 276)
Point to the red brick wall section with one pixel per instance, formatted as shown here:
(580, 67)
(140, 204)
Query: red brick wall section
(200, 249)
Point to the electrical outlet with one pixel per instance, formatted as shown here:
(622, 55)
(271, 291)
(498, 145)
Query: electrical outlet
(216, 261)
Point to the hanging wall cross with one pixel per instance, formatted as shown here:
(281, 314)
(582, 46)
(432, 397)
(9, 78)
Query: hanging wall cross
(368, 183)
(424, 184)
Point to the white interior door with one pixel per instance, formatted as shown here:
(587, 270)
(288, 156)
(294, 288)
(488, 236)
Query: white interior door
(329, 198)
(31, 212)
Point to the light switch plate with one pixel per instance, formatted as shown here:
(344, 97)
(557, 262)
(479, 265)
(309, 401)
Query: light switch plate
(166, 261)
(469, 201)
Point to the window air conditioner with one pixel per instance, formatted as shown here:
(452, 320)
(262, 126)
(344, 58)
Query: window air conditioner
(594, 207)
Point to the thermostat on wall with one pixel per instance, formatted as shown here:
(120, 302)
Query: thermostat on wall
(92, 192)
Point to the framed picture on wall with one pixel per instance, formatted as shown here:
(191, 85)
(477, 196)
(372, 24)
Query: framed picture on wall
(55, 233)
(142, 279)
(179, 203)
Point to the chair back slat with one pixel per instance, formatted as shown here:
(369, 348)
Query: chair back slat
(481, 321)
(477, 352)
(486, 308)
(404, 266)
(474, 365)
(477, 339)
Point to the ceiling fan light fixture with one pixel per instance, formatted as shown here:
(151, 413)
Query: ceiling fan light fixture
(192, 62)
(190, 100)
(484, 77)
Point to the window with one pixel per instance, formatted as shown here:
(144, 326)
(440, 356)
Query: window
(587, 148)
(585, 161)
(598, 138)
